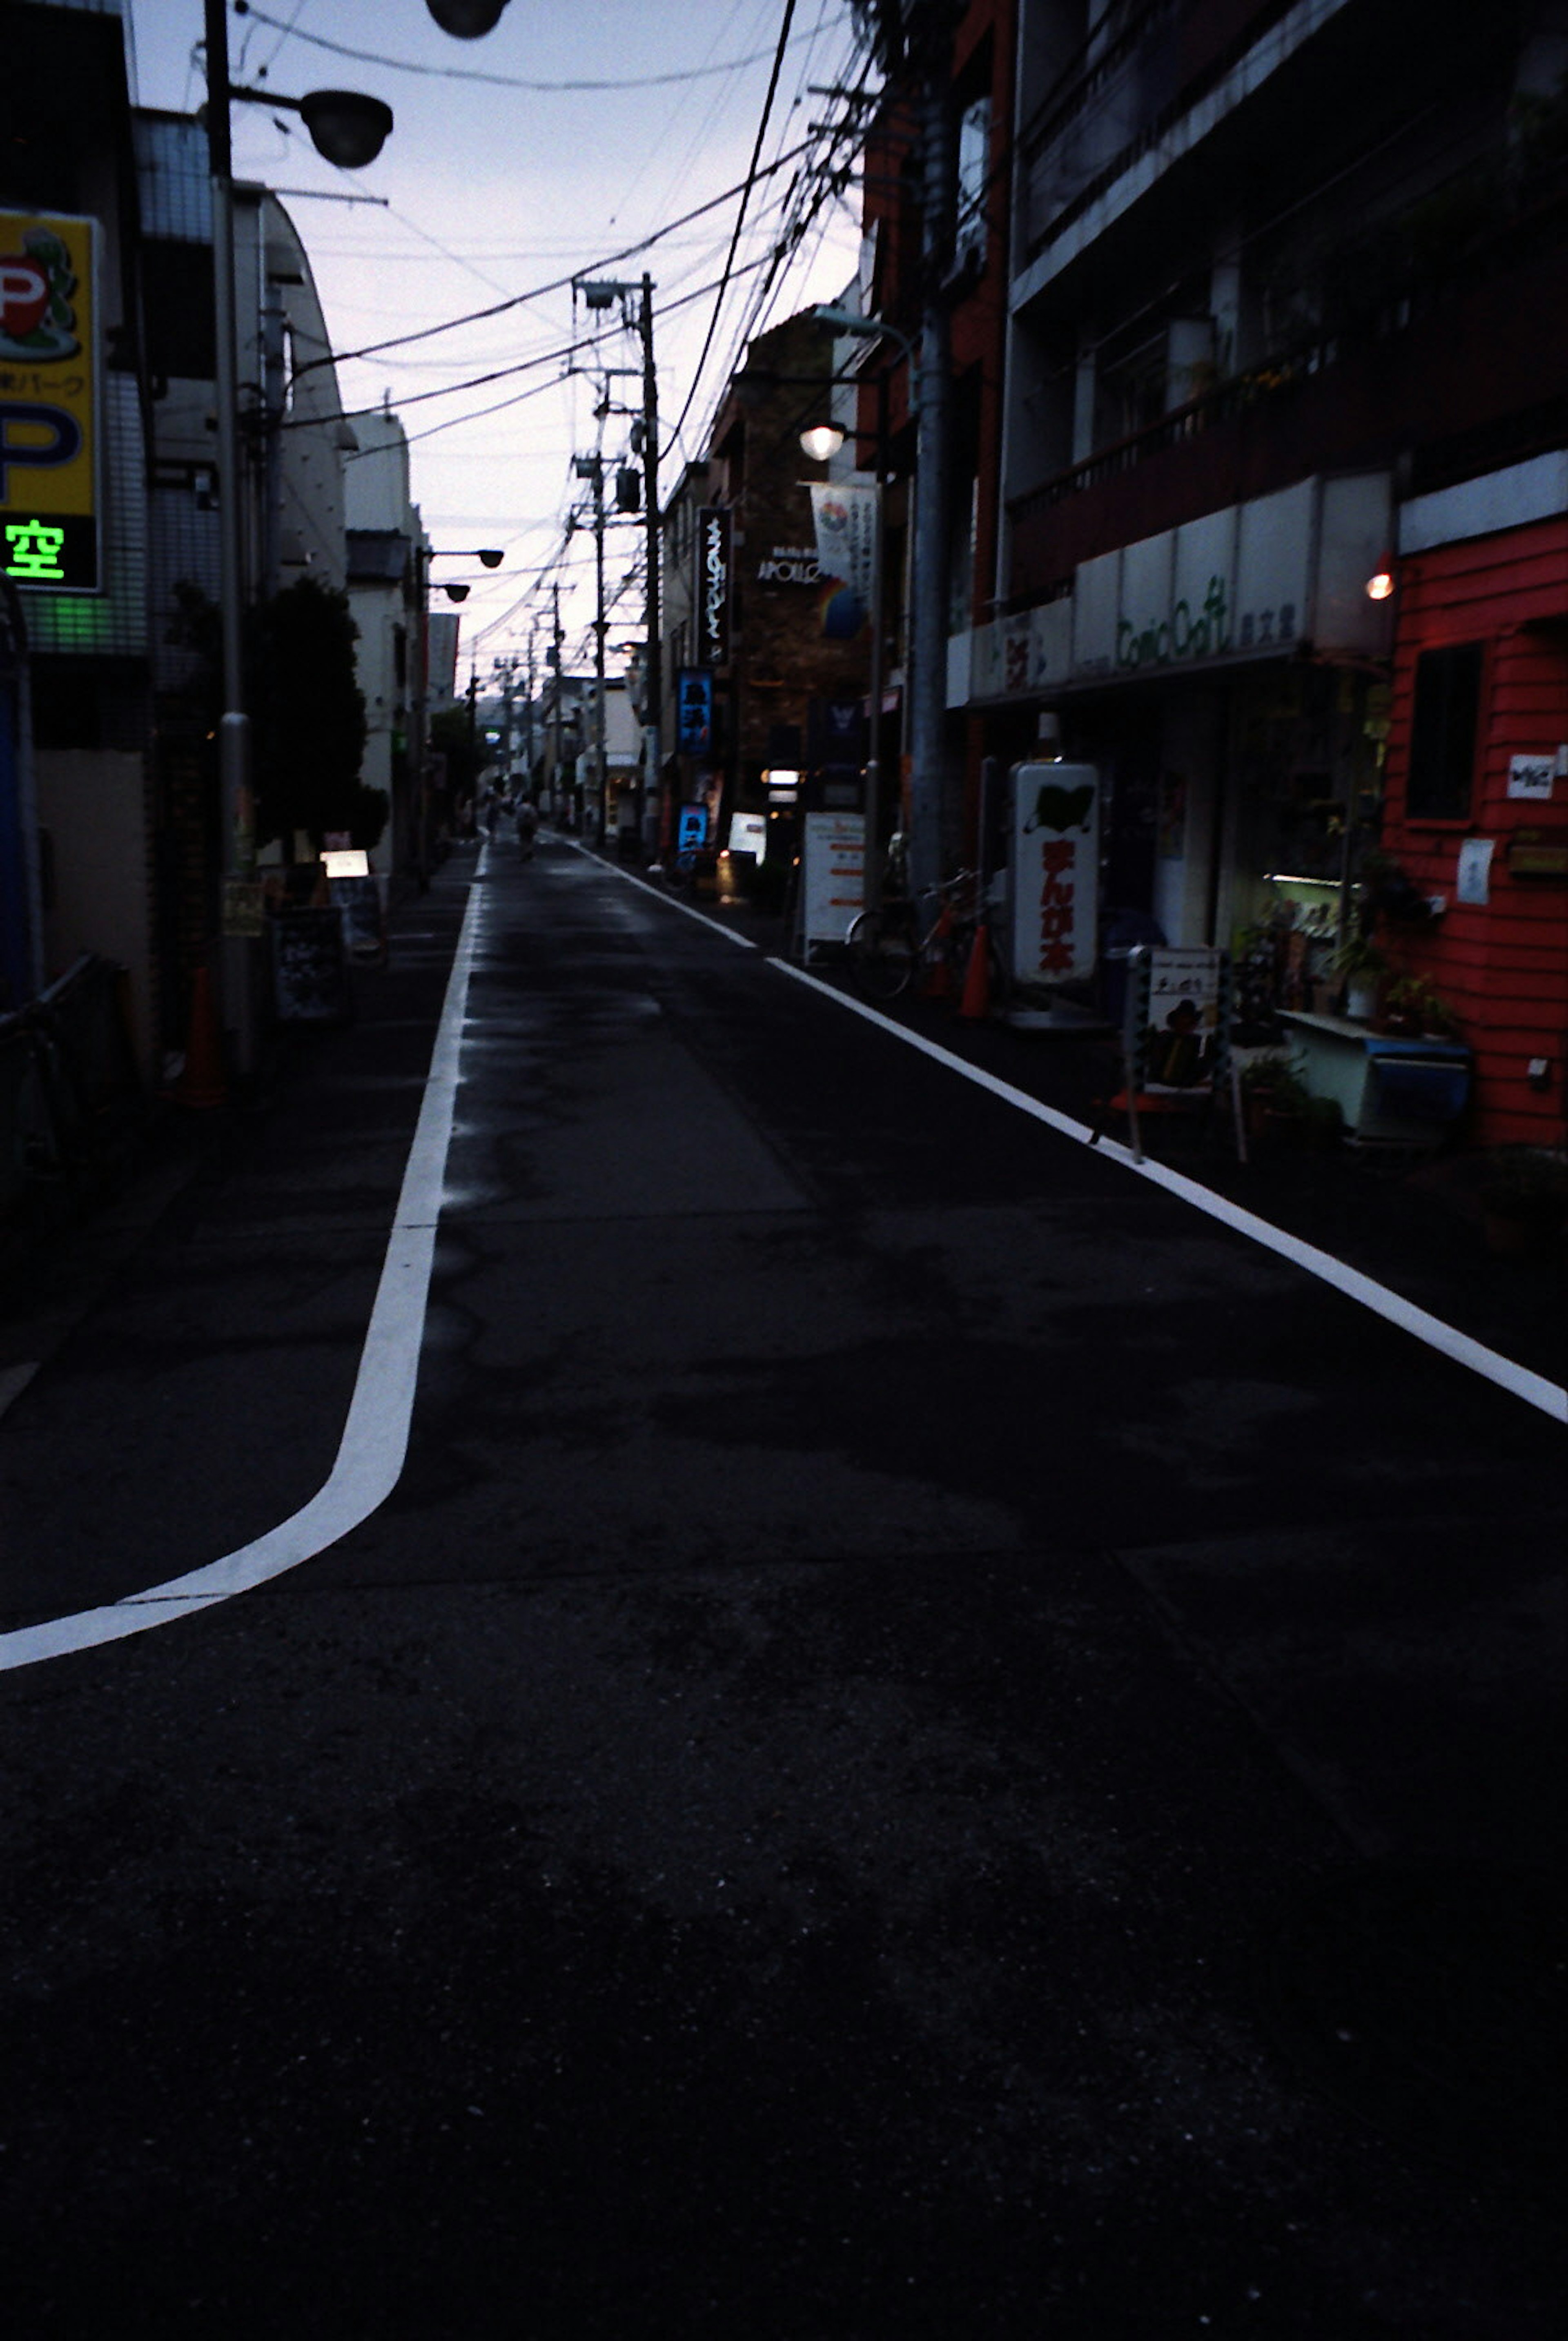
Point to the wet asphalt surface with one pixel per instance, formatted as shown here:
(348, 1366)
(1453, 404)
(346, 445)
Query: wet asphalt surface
(929, 1743)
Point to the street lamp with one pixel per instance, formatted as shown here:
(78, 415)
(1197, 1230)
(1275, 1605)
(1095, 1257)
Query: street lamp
(467, 20)
(819, 441)
(926, 693)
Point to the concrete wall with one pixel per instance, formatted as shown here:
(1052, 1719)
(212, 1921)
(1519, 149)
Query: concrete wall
(92, 810)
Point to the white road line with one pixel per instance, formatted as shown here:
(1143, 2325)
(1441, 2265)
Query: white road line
(671, 901)
(375, 1441)
(1518, 1380)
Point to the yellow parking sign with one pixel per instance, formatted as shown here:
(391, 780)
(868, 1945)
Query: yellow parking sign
(49, 361)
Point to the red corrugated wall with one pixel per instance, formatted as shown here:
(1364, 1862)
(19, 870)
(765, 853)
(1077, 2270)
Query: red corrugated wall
(1503, 965)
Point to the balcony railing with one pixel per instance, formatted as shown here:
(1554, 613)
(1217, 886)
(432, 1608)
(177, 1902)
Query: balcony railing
(1459, 374)
(1091, 78)
(1208, 411)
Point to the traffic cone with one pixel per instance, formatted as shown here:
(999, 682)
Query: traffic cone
(201, 1083)
(939, 975)
(976, 1000)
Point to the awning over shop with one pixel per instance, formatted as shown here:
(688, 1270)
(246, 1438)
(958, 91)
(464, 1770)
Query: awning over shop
(1282, 575)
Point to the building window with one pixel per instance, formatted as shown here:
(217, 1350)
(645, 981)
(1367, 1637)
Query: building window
(177, 301)
(1442, 733)
(974, 182)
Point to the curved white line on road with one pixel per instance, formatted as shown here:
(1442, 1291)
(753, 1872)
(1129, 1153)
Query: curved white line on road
(1518, 1380)
(374, 1439)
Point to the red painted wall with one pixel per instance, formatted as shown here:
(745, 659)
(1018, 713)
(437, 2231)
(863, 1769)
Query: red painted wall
(1504, 965)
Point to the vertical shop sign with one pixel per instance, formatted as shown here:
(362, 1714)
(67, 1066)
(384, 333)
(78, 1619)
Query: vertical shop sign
(49, 489)
(693, 712)
(712, 598)
(1054, 872)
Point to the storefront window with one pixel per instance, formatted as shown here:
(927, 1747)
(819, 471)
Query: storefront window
(1442, 733)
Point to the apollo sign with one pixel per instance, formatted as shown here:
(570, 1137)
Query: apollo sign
(713, 594)
(790, 565)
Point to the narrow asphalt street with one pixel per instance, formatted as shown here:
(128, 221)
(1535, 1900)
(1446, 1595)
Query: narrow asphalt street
(929, 1741)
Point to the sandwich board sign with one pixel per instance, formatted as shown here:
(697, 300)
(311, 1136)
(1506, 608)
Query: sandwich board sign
(1055, 874)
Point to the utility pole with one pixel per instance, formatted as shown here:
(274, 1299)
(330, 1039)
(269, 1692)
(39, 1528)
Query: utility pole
(600, 294)
(653, 687)
(592, 469)
(529, 723)
(556, 806)
(929, 823)
(600, 622)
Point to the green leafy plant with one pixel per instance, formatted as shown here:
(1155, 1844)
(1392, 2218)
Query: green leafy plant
(309, 722)
(1415, 1000)
(1359, 957)
(1272, 1083)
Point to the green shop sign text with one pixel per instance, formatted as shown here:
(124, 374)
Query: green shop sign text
(1180, 636)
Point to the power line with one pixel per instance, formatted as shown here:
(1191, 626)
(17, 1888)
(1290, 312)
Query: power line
(558, 284)
(512, 81)
(740, 216)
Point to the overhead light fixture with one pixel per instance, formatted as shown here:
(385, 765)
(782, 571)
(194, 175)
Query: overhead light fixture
(457, 592)
(822, 440)
(345, 127)
(467, 20)
(1380, 587)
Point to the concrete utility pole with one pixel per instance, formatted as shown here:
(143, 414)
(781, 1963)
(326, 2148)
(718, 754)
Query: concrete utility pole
(592, 469)
(911, 41)
(558, 807)
(528, 726)
(653, 687)
(599, 294)
(931, 825)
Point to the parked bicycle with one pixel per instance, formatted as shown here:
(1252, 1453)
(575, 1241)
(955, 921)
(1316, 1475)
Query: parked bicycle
(890, 948)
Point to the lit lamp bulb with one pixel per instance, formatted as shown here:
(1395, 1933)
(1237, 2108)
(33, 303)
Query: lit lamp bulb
(1379, 588)
(822, 440)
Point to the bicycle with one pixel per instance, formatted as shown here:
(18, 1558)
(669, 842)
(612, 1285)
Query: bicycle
(886, 948)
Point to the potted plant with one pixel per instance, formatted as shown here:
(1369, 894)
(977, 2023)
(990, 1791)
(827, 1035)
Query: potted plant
(1525, 1200)
(1275, 1100)
(1360, 965)
(1412, 1006)
(1322, 1123)
(1392, 893)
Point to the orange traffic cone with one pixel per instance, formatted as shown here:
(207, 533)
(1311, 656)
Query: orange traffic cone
(976, 1000)
(939, 973)
(201, 1083)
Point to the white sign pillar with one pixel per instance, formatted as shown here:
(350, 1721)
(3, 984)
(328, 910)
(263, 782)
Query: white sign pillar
(1055, 874)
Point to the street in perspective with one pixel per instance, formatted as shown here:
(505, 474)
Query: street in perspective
(784, 1170)
(930, 1739)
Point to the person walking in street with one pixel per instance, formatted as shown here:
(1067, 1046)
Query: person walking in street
(527, 828)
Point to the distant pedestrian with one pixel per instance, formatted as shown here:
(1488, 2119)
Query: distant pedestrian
(527, 829)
